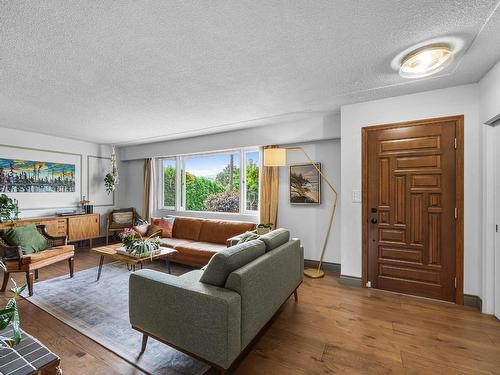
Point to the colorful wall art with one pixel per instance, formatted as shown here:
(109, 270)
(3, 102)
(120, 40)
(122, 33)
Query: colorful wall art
(27, 176)
(305, 184)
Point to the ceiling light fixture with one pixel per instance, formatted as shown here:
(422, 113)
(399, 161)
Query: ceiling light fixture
(426, 60)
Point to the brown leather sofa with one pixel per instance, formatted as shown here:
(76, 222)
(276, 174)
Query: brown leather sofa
(197, 240)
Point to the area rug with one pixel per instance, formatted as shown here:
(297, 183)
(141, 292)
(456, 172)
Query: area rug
(99, 310)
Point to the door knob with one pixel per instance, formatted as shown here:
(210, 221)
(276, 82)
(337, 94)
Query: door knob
(374, 221)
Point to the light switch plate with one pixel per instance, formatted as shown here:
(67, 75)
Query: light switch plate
(356, 196)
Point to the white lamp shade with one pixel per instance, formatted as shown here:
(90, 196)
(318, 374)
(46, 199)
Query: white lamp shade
(274, 157)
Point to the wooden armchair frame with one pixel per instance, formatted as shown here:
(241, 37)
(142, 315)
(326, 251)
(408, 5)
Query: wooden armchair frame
(12, 256)
(118, 228)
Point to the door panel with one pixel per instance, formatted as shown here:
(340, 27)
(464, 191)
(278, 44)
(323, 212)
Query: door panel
(83, 227)
(411, 195)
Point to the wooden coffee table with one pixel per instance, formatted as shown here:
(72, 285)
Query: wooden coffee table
(111, 253)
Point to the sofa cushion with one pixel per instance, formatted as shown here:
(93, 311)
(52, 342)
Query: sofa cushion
(141, 229)
(218, 231)
(187, 227)
(275, 238)
(123, 218)
(230, 259)
(173, 242)
(165, 224)
(200, 248)
(26, 236)
(192, 276)
(46, 254)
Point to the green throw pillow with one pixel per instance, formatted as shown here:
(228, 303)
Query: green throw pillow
(248, 236)
(26, 236)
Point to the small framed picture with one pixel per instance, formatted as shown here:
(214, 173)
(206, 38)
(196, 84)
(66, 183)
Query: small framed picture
(305, 184)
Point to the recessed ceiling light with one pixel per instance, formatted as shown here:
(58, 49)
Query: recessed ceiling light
(426, 61)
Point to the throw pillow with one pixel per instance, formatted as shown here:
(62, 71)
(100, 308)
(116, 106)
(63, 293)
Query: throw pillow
(165, 224)
(142, 229)
(229, 260)
(248, 236)
(26, 236)
(275, 238)
(123, 217)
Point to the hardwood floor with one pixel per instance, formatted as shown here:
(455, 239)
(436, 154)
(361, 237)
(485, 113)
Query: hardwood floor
(332, 329)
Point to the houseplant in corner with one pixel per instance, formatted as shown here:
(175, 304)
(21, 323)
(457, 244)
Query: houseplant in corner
(138, 247)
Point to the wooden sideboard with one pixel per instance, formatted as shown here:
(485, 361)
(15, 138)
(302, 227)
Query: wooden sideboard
(76, 227)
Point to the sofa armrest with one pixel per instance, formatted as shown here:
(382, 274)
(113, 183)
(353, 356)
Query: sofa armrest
(156, 233)
(52, 240)
(10, 253)
(201, 319)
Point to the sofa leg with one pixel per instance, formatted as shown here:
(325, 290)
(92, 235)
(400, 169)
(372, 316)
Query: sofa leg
(144, 342)
(71, 262)
(36, 274)
(296, 295)
(29, 281)
(6, 276)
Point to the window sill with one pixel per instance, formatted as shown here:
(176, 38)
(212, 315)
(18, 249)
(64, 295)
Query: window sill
(244, 216)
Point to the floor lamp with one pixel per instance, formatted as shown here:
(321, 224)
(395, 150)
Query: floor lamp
(276, 157)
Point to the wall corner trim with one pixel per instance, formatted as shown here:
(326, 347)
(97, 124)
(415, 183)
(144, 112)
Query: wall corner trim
(350, 281)
(473, 301)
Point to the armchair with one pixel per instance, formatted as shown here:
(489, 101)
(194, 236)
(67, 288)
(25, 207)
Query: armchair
(113, 226)
(16, 261)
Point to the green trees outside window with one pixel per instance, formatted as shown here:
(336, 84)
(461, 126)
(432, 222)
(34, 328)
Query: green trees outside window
(212, 182)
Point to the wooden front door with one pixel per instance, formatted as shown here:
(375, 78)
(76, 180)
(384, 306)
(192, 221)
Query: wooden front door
(411, 210)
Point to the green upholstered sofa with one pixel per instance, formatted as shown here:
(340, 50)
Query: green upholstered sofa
(216, 318)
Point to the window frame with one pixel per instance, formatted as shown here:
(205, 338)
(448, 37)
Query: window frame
(243, 182)
(161, 184)
(180, 182)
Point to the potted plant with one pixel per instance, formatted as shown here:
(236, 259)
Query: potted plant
(9, 209)
(111, 178)
(9, 315)
(264, 228)
(137, 246)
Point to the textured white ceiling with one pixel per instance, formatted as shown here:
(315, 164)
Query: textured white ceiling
(135, 71)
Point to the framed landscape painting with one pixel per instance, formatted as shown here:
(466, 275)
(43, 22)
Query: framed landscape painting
(305, 184)
(40, 179)
(31, 176)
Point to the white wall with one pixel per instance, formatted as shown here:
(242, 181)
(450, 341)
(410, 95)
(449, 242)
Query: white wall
(131, 157)
(304, 130)
(438, 103)
(489, 107)
(309, 222)
(12, 137)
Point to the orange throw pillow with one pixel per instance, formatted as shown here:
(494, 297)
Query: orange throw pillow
(165, 224)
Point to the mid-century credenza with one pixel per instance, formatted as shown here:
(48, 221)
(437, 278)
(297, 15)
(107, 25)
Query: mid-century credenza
(76, 227)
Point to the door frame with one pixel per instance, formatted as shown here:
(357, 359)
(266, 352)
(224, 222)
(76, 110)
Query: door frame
(459, 198)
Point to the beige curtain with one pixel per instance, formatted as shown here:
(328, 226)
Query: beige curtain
(269, 194)
(149, 197)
